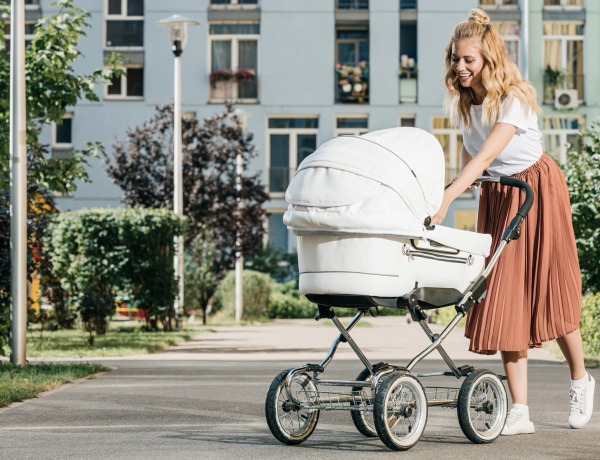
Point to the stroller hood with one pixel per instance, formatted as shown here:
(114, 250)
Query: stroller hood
(381, 183)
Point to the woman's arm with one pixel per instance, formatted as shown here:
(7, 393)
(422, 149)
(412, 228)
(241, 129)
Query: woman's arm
(491, 148)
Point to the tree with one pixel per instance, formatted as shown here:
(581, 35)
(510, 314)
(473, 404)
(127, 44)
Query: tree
(51, 87)
(582, 172)
(142, 167)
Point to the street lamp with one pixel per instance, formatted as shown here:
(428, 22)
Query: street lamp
(177, 25)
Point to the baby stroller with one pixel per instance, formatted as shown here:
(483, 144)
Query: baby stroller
(360, 209)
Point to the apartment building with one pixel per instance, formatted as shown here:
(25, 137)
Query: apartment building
(303, 71)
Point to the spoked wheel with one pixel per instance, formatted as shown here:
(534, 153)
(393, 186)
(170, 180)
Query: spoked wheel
(400, 410)
(291, 421)
(363, 397)
(482, 406)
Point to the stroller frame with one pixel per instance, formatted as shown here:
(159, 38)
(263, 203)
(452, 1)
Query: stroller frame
(386, 400)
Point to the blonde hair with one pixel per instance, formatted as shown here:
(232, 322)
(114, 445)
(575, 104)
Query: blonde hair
(500, 76)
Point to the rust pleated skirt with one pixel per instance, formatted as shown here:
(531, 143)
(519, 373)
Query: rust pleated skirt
(534, 291)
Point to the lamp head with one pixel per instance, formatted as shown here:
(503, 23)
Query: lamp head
(177, 25)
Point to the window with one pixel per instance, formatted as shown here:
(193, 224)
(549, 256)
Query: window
(234, 61)
(352, 66)
(560, 131)
(62, 133)
(563, 3)
(451, 140)
(353, 4)
(563, 58)
(408, 4)
(233, 2)
(124, 23)
(407, 72)
(351, 125)
(406, 121)
(289, 141)
(489, 3)
(29, 29)
(510, 32)
(129, 85)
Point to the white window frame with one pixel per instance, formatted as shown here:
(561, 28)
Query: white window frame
(454, 146)
(123, 94)
(116, 17)
(549, 132)
(404, 116)
(564, 39)
(512, 38)
(62, 145)
(293, 152)
(235, 58)
(499, 4)
(351, 131)
(564, 6)
(233, 5)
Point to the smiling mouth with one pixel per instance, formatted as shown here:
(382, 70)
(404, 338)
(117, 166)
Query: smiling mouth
(464, 76)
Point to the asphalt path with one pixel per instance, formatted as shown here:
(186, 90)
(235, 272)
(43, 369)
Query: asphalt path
(205, 400)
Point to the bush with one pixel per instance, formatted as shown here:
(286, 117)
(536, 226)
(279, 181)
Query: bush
(287, 302)
(590, 318)
(256, 292)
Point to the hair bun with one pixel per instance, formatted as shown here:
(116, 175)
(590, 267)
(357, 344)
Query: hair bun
(479, 16)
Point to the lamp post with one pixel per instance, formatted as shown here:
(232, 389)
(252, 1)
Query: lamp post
(177, 25)
(239, 257)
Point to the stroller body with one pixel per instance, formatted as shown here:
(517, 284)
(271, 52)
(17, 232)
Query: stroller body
(359, 207)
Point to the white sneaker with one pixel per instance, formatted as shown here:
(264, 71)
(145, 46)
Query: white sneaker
(582, 404)
(517, 423)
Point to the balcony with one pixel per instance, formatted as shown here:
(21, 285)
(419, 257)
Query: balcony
(240, 86)
(352, 83)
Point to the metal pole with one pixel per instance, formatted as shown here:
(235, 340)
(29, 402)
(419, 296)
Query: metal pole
(18, 185)
(239, 258)
(178, 185)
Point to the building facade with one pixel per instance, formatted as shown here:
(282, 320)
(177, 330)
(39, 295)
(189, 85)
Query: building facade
(303, 71)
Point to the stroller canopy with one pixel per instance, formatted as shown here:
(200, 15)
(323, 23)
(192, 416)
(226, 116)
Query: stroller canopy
(381, 183)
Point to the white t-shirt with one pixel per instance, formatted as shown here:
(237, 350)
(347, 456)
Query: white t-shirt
(523, 150)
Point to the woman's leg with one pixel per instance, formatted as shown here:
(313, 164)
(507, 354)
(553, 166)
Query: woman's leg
(515, 366)
(571, 346)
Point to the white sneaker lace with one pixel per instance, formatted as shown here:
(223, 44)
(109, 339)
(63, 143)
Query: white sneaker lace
(577, 397)
(513, 417)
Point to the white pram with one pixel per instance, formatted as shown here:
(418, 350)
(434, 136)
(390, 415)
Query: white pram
(360, 208)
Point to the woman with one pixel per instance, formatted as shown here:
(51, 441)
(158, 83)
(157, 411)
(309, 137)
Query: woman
(534, 291)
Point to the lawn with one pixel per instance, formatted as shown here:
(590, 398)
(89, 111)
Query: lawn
(124, 338)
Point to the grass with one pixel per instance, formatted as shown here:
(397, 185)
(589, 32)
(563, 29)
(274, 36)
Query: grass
(20, 383)
(124, 338)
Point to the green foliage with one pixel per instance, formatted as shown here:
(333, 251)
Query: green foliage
(582, 172)
(201, 281)
(99, 253)
(281, 265)
(51, 87)
(19, 383)
(287, 302)
(256, 292)
(590, 319)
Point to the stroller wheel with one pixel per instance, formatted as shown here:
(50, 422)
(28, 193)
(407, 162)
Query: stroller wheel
(363, 397)
(400, 410)
(288, 410)
(482, 406)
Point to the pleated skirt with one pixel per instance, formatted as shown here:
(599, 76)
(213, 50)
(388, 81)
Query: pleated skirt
(534, 291)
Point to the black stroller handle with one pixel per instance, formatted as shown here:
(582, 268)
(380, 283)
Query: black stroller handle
(513, 231)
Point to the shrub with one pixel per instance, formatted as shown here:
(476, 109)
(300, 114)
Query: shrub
(256, 292)
(287, 302)
(590, 318)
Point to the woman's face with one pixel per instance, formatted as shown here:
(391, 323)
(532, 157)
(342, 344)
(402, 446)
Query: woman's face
(467, 62)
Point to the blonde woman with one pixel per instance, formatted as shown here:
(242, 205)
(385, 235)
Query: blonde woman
(534, 291)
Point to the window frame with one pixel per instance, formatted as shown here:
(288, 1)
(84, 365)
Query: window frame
(120, 17)
(454, 147)
(562, 133)
(351, 131)
(564, 57)
(123, 95)
(62, 145)
(235, 59)
(293, 147)
(564, 6)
